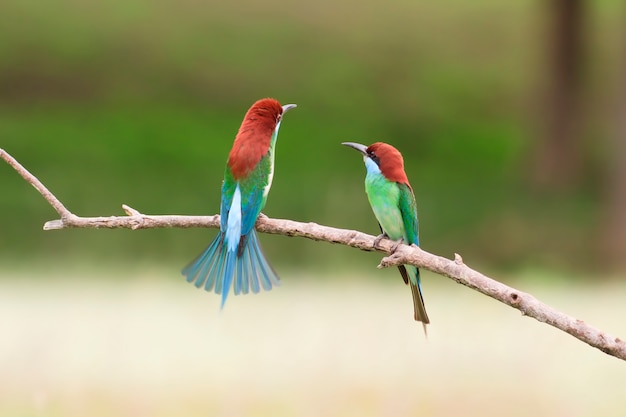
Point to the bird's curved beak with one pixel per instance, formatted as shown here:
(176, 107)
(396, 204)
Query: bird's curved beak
(287, 107)
(357, 146)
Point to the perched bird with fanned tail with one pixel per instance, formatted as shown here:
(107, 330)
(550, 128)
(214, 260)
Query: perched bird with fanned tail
(393, 203)
(235, 256)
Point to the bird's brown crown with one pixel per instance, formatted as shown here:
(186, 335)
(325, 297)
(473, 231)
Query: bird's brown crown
(389, 160)
(254, 137)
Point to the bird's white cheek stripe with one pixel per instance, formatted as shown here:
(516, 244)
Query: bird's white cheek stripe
(233, 228)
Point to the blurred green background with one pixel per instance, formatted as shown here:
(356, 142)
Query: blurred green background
(138, 102)
(511, 119)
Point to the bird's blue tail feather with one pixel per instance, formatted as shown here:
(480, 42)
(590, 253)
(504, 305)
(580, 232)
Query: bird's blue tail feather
(238, 278)
(198, 269)
(218, 276)
(245, 271)
(268, 275)
(217, 268)
(229, 271)
(254, 270)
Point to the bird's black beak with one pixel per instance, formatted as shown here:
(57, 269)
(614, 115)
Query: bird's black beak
(287, 107)
(357, 146)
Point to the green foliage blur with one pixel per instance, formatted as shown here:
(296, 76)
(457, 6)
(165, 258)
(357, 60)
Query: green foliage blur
(138, 102)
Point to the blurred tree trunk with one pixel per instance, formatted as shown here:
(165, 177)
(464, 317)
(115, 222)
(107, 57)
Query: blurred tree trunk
(615, 233)
(558, 162)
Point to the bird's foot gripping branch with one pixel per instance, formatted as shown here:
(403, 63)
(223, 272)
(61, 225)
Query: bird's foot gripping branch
(403, 255)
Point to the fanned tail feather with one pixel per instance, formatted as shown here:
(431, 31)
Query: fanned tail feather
(199, 270)
(217, 268)
(245, 266)
(227, 276)
(266, 272)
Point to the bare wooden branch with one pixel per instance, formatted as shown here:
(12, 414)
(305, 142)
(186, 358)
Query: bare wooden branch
(32, 180)
(397, 254)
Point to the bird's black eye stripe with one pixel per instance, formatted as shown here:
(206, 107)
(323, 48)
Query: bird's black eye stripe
(373, 157)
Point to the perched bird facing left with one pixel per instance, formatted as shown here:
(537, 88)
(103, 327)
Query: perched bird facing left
(235, 251)
(393, 203)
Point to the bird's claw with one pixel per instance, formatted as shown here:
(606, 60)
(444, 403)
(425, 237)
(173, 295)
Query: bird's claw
(395, 247)
(382, 236)
(378, 239)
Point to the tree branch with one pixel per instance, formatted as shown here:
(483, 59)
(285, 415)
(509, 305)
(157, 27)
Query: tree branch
(398, 254)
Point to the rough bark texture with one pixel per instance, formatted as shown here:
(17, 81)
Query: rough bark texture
(399, 254)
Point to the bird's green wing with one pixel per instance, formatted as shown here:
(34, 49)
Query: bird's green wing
(408, 209)
(254, 190)
(228, 189)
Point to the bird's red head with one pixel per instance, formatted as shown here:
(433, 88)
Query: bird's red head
(389, 160)
(255, 134)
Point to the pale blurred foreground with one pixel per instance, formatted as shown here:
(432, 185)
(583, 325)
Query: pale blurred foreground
(141, 345)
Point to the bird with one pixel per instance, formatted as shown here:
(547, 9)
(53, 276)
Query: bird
(392, 200)
(235, 257)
